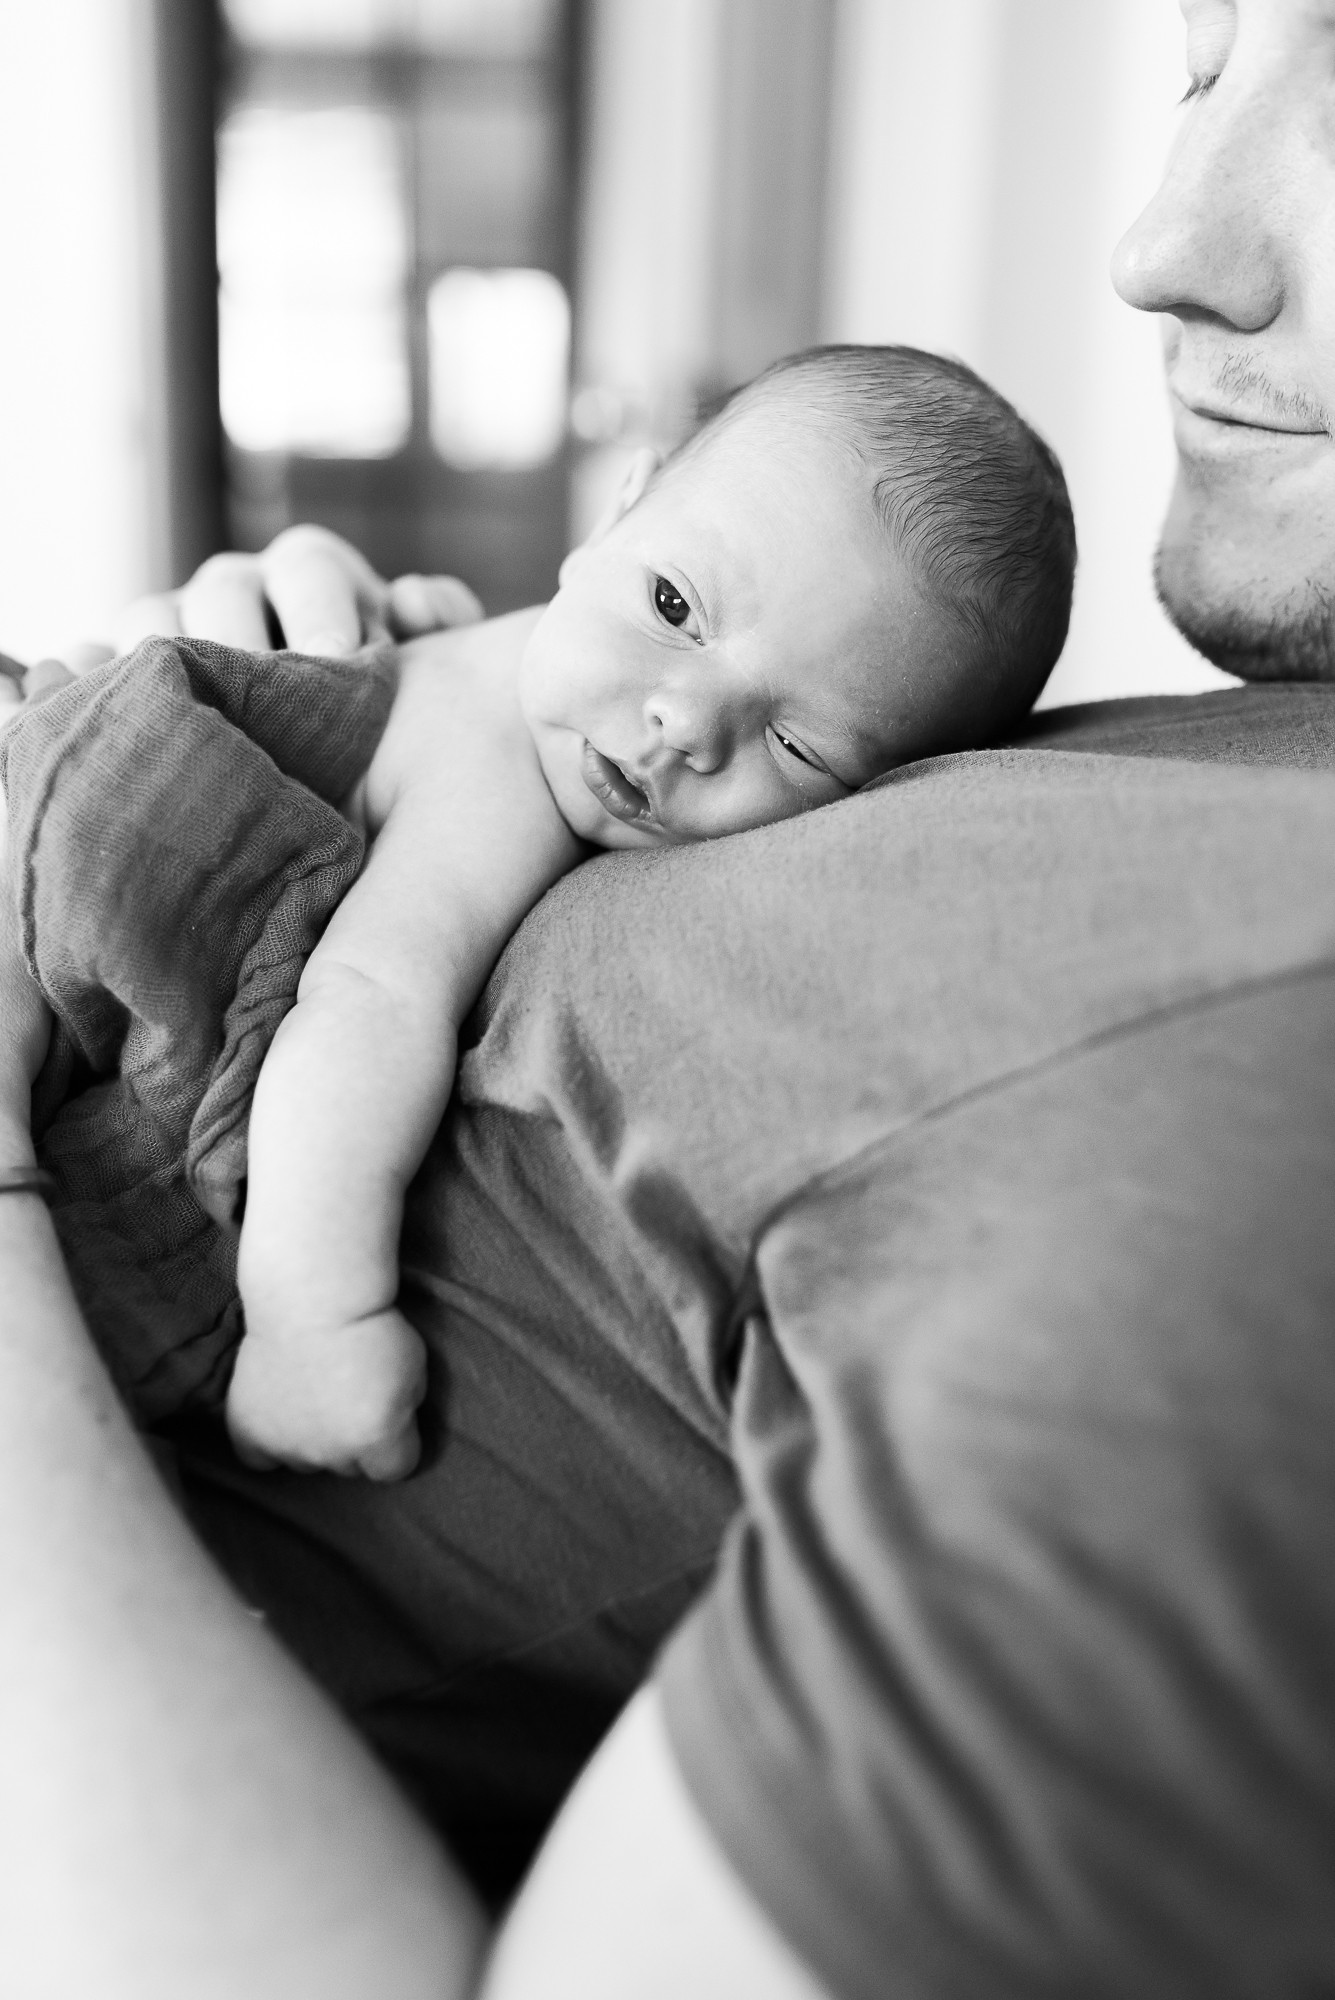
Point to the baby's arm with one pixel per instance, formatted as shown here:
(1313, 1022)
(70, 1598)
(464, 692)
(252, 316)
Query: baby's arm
(329, 1373)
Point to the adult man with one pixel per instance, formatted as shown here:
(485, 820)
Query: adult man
(1014, 1673)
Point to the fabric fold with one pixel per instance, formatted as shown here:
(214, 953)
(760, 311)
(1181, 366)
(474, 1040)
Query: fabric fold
(175, 852)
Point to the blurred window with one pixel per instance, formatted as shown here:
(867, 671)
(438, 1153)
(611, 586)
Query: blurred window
(395, 203)
(500, 359)
(313, 260)
(457, 27)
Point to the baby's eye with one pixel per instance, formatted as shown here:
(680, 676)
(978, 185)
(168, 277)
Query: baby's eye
(669, 603)
(795, 750)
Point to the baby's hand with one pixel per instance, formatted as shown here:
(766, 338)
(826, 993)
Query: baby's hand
(331, 1398)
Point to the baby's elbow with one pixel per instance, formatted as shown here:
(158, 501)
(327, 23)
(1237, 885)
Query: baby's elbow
(383, 1004)
(327, 977)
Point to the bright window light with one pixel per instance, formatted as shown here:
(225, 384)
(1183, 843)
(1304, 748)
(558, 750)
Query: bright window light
(464, 27)
(500, 358)
(348, 24)
(313, 257)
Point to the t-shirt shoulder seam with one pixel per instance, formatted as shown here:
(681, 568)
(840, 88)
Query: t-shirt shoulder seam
(1150, 1021)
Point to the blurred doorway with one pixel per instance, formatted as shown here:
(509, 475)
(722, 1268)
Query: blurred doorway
(396, 192)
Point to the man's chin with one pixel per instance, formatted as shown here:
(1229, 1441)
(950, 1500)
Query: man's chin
(1290, 639)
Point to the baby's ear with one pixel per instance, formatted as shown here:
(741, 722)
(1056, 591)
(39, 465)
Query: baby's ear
(638, 474)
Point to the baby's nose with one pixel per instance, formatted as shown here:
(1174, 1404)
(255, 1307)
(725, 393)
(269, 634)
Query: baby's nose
(693, 718)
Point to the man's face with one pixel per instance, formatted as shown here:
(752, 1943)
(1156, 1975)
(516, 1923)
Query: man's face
(1237, 250)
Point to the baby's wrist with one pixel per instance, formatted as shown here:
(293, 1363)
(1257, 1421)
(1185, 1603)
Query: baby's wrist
(286, 1303)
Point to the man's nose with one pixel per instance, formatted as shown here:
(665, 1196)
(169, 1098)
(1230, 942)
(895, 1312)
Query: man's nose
(1206, 244)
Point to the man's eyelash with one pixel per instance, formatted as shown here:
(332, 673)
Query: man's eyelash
(1200, 86)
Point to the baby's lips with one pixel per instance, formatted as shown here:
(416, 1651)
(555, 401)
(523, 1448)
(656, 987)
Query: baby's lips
(612, 788)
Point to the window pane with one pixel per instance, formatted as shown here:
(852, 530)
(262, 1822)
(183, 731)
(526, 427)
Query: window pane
(313, 256)
(330, 382)
(500, 357)
(490, 27)
(448, 27)
(338, 24)
(490, 177)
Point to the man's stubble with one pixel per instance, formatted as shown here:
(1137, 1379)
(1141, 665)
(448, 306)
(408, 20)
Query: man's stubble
(1289, 640)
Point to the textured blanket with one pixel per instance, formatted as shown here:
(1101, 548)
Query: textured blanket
(175, 852)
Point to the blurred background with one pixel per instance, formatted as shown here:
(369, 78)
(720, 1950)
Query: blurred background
(429, 270)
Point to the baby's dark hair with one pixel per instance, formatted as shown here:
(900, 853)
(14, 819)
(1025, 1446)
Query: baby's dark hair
(972, 497)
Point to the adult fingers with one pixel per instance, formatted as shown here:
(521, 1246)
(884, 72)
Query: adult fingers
(224, 600)
(144, 618)
(23, 687)
(82, 655)
(44, 677)
(326, 596)
(430, 603)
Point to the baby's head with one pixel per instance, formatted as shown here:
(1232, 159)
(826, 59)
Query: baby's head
(865, 557)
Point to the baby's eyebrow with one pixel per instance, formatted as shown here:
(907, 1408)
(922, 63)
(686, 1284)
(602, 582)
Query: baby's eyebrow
(696, 548)
(707, 582)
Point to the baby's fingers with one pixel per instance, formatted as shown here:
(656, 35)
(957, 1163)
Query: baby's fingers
(243, 1439)
(392, 1458)
(251, 1454)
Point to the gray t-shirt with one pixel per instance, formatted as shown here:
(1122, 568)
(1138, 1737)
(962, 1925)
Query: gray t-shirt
(1017, 1676)
(925, 1204)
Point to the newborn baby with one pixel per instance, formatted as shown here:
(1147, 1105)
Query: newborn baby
(866, 558)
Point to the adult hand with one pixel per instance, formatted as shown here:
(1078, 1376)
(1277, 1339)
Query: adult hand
(309, 590)
(25, 1022)
(20, 686)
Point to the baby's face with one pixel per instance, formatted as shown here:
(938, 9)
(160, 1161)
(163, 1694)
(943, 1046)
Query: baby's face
(741, 645)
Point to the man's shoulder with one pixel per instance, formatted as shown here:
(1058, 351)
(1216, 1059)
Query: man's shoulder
(1285, 723)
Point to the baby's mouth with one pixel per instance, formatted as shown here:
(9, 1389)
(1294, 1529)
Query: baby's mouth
(612, 788)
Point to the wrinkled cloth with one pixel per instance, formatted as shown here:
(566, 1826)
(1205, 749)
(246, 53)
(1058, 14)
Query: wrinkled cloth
(175, 852)
(888, 1254)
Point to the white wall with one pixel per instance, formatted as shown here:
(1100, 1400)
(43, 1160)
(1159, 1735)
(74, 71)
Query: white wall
(987, 155)
(75, 530)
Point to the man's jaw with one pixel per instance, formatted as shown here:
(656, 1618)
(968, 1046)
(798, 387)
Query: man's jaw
(1292, 639)
(1246, 565)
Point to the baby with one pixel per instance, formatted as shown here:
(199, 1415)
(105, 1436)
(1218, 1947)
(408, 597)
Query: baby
(865, 558)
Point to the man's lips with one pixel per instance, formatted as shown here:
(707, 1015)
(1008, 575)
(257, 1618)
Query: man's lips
(1219, 432)
(1250, 420)
(1237, 416)
(613, 789)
